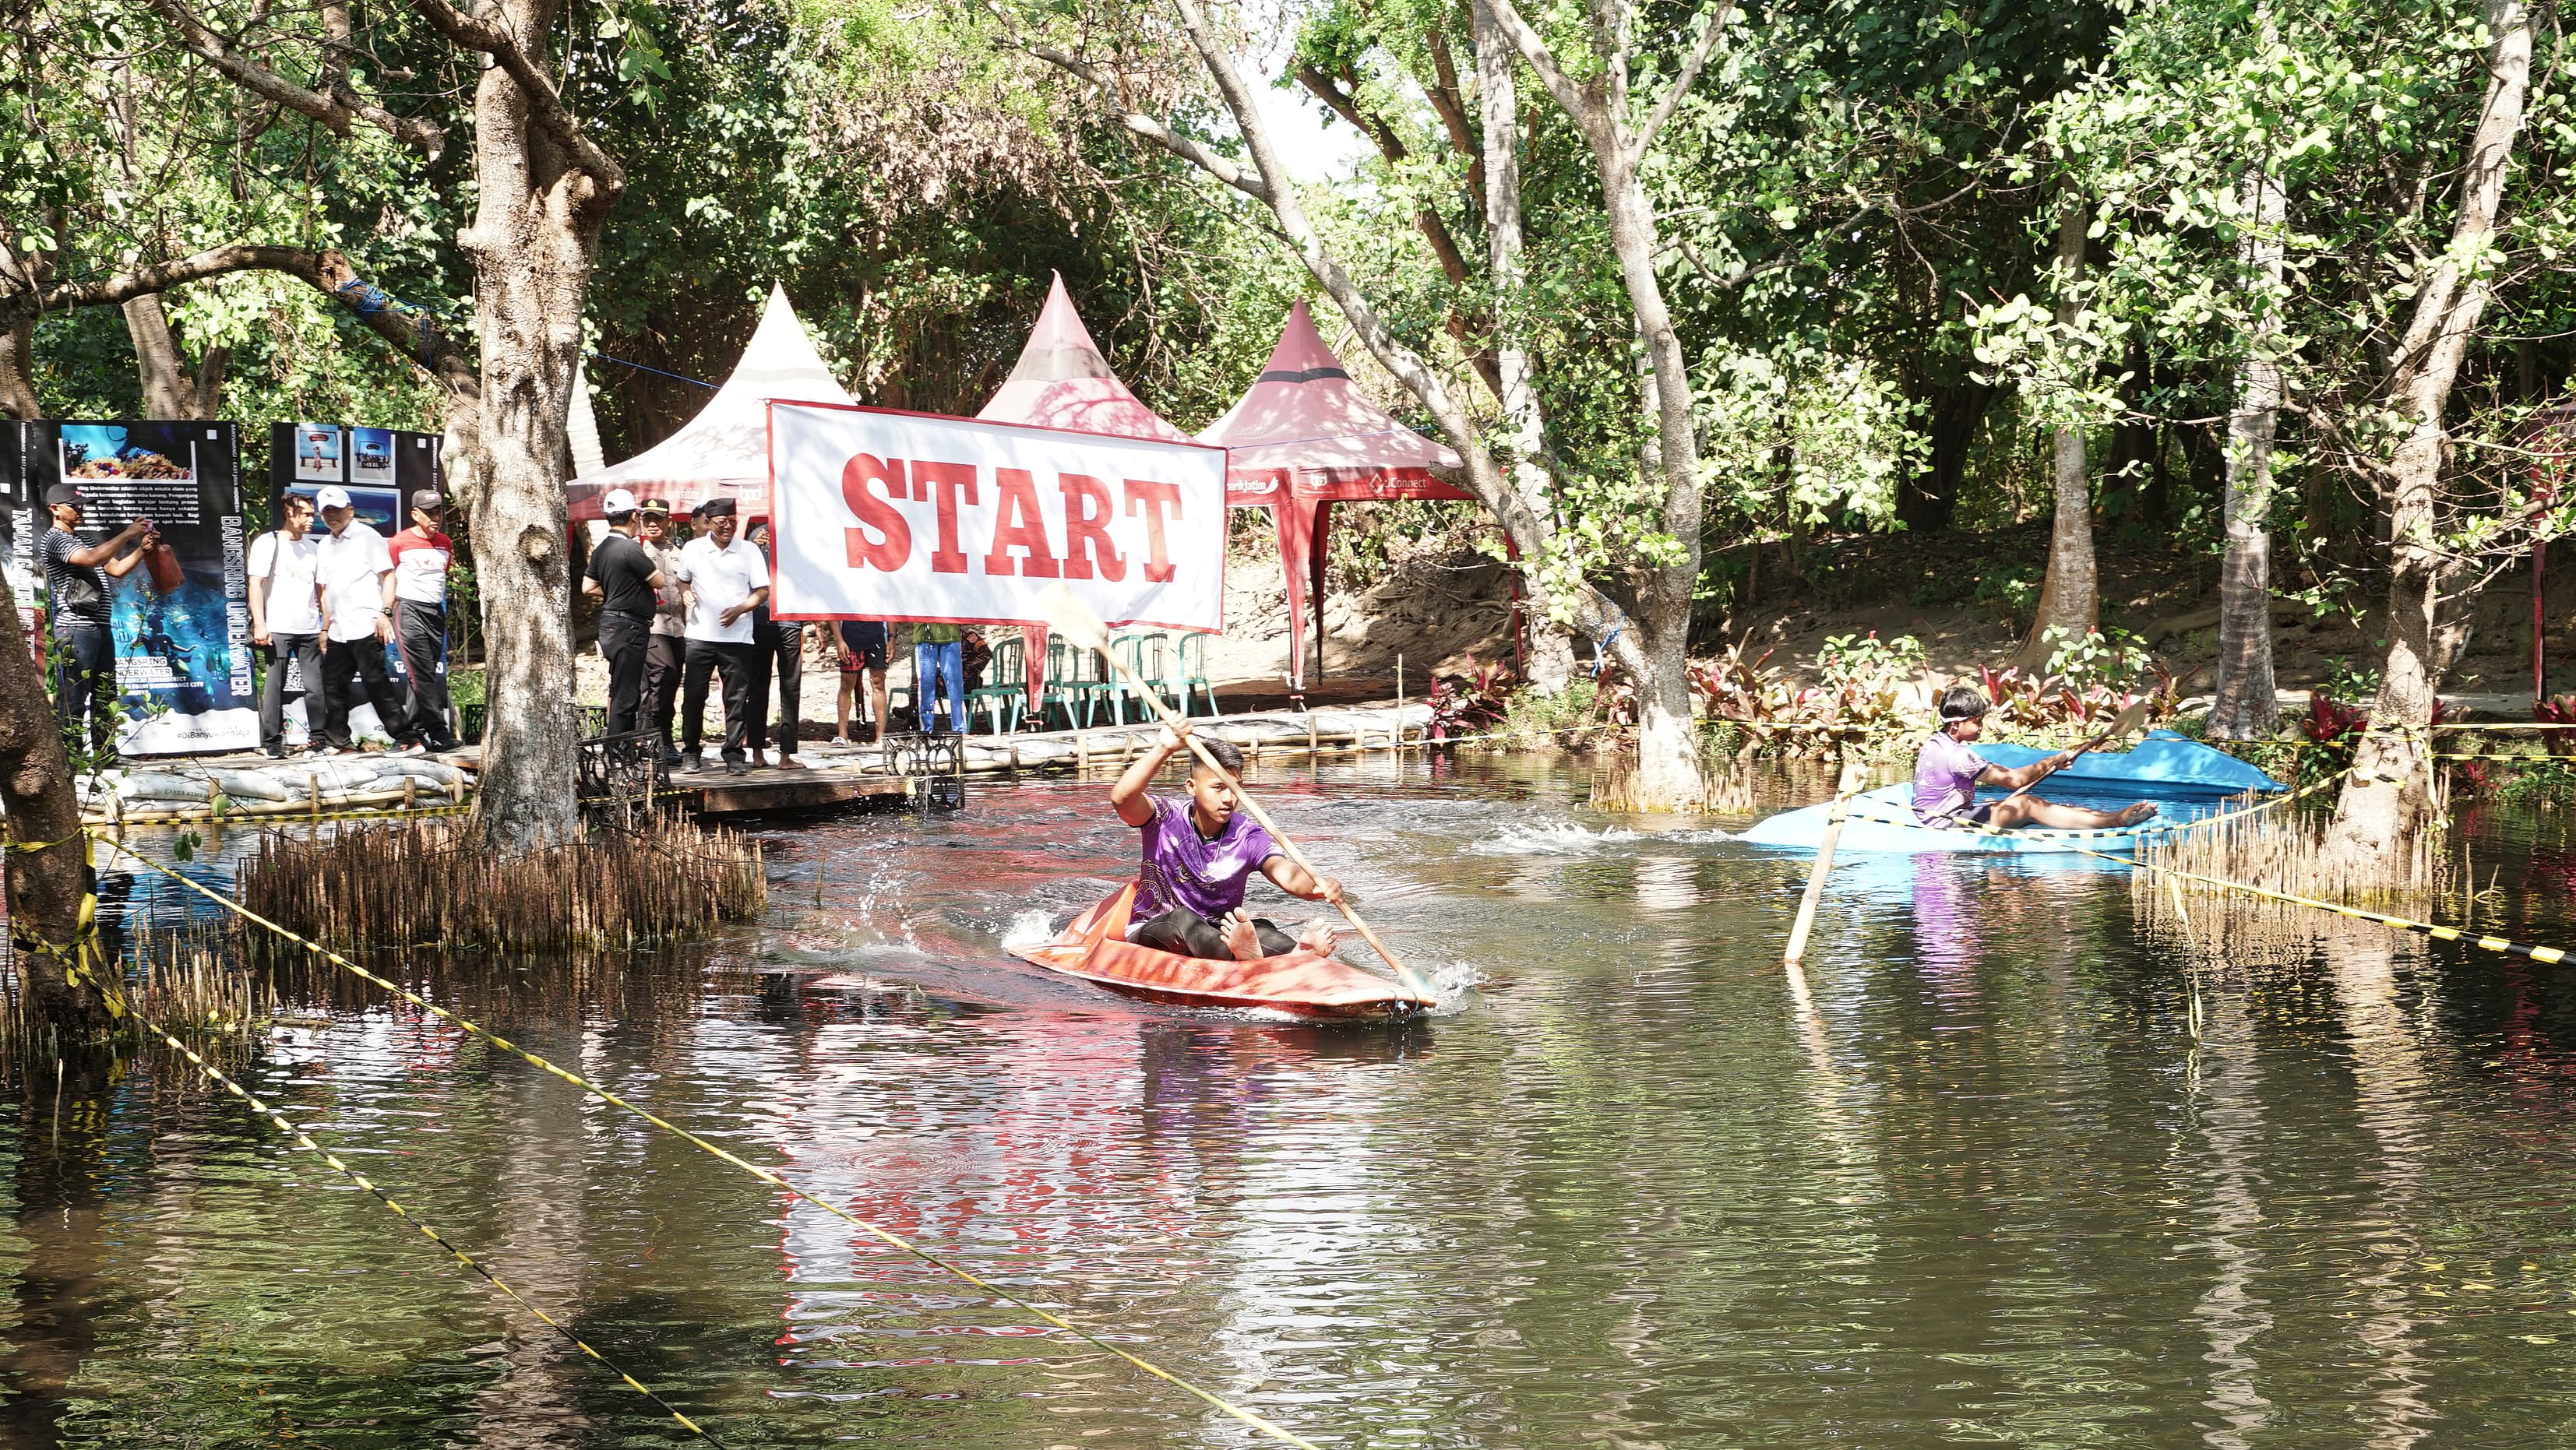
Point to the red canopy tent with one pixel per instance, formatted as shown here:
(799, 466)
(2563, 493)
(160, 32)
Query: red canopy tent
(1062, 381)
(1305, 438)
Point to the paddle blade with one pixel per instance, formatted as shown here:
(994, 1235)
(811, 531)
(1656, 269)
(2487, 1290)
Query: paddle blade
(1071, 617)
(2129, 722)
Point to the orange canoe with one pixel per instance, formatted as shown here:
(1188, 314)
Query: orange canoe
(1095, 948)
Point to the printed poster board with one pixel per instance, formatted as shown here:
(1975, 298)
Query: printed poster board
(181, 618)
(381, 468)
(912, 516)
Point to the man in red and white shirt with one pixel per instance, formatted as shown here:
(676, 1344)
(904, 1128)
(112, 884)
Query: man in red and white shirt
(416, 601)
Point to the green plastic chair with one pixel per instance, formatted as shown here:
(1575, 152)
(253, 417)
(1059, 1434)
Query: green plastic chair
(1010, 663)
(1069, 683)
(1186, 673)
(1141, 652)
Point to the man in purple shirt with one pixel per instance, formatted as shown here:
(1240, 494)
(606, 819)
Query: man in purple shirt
(1948, 770)
(1197, 856)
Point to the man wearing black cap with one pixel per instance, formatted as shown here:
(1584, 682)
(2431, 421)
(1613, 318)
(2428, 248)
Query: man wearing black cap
(76, 575)
(726, 579)
(416, 600)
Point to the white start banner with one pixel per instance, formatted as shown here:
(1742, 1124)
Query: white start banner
(912, 516)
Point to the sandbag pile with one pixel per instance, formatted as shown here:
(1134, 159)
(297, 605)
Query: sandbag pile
(336, 782)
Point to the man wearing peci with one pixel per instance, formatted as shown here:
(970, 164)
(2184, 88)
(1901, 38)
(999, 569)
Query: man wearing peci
(416, 599)
(666, 645)
(623, 578)
(726, 580)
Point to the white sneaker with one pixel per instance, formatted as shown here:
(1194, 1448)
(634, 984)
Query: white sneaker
(328, 750)
(412, 750)
(841, 740)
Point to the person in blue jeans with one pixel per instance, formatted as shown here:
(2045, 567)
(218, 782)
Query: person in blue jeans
(939, 660)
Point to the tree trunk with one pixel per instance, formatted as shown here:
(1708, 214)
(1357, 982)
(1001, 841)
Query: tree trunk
(1669, 777)
(2245, 704)
(1550, 664)
(37, 804)
(18, 370)
(2070, 599)
(534, 235)
(2388, 798)
(170, 389)
(1927, 497)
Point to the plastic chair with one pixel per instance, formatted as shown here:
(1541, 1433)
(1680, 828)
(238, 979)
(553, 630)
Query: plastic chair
(1009, 664)
(1141, 653)
(1186, 673)
(1067, 684)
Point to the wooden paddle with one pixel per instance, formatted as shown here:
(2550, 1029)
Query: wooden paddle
(2126, 723)
(1074, 620)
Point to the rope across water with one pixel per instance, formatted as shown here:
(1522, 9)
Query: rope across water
(882, 1235)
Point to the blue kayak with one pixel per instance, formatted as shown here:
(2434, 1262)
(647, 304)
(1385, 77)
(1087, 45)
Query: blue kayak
(2185, 779)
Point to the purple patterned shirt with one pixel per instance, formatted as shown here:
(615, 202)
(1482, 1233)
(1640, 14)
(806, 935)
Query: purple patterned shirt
(1183, 868)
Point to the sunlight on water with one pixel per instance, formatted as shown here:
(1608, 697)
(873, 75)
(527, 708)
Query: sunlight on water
(1553, 839)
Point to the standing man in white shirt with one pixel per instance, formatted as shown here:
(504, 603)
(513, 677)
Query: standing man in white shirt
(416, 600)
(286, 620)
(353, 566)
(726, 579)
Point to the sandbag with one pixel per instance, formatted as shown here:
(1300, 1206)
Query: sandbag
(251, 785)
(162, 785)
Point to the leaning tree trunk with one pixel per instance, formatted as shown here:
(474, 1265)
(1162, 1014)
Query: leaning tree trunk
(45, 885)
(535, 233)
(2246, 692)
(2070, 598)
(18, 370)
(170, 390)
(1550, 665)
(2388, 799)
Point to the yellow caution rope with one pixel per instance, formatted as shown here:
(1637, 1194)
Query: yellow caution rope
(882, 1235)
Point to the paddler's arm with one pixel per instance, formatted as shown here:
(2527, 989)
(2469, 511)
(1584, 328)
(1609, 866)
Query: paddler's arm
(1297, 881)
(1996, 775)
(1134, 806)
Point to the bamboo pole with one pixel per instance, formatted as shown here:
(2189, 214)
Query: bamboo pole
(1844, 789)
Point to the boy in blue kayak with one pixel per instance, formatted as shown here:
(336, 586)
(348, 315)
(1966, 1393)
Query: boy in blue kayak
(1948, 770)
(1197, 855)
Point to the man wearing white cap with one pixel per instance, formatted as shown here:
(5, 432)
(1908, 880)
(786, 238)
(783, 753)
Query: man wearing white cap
(353, 563)
(623, 577)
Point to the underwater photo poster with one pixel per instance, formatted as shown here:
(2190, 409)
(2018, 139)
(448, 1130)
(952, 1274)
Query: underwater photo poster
(181, 617)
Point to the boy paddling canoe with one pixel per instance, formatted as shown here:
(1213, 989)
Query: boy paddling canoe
(1948, 770)
(1198, 853)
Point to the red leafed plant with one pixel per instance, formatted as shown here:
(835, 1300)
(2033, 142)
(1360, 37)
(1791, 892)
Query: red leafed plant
(1466, 704)
(2557, 710)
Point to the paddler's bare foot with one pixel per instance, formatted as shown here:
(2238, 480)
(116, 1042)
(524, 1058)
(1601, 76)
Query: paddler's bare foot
(2134, 814)
(1320, 939)
(1240, 938)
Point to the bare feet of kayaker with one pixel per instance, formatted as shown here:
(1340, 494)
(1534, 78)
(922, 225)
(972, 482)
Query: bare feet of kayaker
(2134, 814)
(1320, 939)
(1240, 938)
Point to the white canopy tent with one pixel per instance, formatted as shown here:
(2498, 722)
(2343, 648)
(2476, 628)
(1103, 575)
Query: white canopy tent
(723, 452)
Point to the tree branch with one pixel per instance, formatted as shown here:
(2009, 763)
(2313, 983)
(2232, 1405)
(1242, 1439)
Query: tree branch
(544, 104)
(1578, 101)
(339, 110)
(1137, 122)
(1697, 61)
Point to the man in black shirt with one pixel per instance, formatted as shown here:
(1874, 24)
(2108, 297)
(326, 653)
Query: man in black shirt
(623, 577)
(76, 593)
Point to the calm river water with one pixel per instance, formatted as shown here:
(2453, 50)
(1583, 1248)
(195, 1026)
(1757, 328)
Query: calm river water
(1973, 1177)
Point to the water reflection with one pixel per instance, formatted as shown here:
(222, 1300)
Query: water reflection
(1972, 1173)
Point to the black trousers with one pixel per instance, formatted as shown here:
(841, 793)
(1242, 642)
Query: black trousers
(85, 684)
(621, 643)
(733, 662)
(1184, 932)
(663, 657)
(777, 657)
(420, 632)
(344, 663)
(306, 651)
